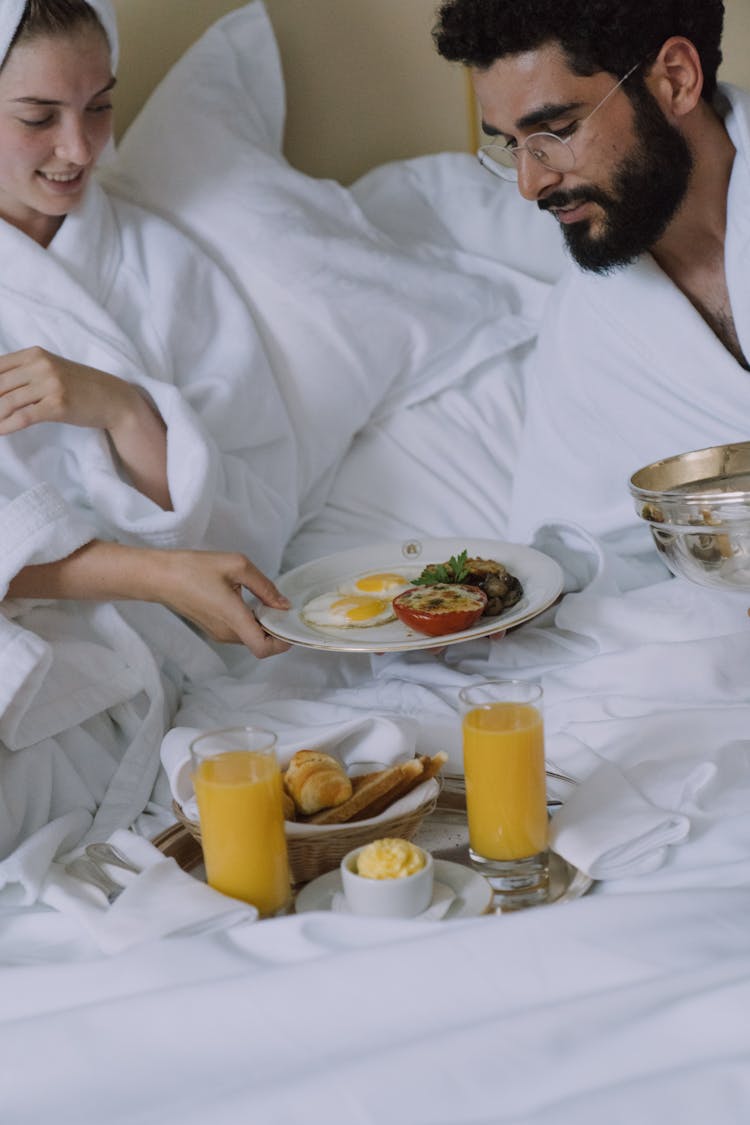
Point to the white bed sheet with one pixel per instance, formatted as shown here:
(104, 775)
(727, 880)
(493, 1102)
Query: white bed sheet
(596, 1013)
(564, 1014)
(631, 1004)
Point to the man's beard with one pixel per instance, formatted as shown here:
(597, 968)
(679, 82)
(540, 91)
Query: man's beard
(647, 189)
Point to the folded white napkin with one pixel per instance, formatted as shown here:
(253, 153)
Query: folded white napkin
(367, 739)
(162, 899)
(440, 904)
(613, 825)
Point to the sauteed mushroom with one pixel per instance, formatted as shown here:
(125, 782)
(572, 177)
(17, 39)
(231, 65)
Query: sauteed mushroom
(502, 588)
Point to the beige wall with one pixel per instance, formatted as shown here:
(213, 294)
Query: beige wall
(153, 35)
(364, 84)
(736, 65)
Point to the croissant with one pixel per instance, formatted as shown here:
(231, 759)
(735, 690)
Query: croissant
(315, 780)
(373, 793)
(367, 787)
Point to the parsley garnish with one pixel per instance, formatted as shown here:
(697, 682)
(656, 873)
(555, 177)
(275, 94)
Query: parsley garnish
(455, 570)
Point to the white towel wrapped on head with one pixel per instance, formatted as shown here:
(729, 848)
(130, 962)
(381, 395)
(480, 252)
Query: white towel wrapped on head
(11, 13)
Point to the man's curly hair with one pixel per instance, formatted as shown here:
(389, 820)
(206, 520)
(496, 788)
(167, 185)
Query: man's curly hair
(596, 35)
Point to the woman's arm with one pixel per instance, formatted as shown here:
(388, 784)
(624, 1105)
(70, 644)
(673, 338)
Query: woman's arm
(37, 386)
(203, 586)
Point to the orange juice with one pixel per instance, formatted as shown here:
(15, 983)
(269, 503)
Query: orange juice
(242, 827)
(506, 797)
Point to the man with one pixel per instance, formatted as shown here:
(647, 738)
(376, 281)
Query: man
(608, 115)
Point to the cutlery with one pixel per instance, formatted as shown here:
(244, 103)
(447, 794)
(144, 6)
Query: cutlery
(560, 776)
(90, 872)
(108, 853)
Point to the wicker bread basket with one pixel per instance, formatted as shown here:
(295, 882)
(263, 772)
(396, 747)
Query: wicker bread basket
(322, 847)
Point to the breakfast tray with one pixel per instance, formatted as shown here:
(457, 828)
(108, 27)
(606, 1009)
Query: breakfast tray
(445, 836)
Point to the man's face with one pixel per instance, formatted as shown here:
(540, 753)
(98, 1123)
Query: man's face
(632, 168)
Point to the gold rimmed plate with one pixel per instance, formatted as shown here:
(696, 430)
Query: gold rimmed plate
(540, 576)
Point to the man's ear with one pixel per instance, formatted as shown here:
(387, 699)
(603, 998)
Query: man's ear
(676, 77)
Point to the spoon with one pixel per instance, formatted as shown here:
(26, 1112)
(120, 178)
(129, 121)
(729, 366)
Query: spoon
(107, 853)
(90, 872)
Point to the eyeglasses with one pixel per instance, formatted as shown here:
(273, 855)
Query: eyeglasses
(551, 150)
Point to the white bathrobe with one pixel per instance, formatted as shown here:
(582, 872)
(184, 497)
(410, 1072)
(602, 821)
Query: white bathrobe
(628, 372)
(86, 689)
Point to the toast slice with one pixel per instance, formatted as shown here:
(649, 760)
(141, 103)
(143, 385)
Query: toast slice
(373, 793)
(434, 764)
(410, 775)
(415, 772)
(366, 789)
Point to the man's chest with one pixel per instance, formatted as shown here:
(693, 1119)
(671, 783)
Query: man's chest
(709, 293)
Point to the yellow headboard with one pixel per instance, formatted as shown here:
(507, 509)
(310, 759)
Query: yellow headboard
(364, 84)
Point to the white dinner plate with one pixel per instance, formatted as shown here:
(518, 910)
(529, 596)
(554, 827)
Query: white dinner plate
(540, 576)
(473, 892)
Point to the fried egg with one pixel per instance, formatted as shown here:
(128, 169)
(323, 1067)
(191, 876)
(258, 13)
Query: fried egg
(385, 584)
(337, 610)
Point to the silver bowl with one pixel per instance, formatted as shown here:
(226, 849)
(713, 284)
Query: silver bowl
(698, 508)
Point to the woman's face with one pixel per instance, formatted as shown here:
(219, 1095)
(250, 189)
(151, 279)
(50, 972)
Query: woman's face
(55, 120)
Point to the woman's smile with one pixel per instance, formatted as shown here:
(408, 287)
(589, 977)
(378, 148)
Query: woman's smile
(55, 121)
(64, 183)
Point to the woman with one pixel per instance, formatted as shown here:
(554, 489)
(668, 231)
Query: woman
(143, 445)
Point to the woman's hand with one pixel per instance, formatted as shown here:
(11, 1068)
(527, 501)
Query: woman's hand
(37, 386)
(203, 586)
(206, 587)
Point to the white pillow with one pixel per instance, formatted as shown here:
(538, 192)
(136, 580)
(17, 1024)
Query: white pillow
(443, 467)
(353, 322)
(448, 199)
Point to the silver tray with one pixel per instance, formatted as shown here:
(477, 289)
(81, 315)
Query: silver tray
(445, 833)
(446, 836)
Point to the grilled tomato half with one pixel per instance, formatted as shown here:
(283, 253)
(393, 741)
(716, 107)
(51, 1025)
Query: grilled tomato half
(440, 608)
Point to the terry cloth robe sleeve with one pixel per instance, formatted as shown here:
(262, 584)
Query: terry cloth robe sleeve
(37, 527)
(122, 291)
(87, 690)
(628, 372)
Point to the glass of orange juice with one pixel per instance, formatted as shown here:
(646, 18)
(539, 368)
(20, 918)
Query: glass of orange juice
(237, 783)
(506, 793)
